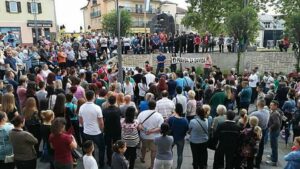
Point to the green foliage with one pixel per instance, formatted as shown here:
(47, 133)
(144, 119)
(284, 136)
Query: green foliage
(211, 15)
(110, 21)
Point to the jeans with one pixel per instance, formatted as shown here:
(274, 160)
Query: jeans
(30, 164)
(165, 164)
(99, 141)
(200, 155)
(260, 149)
(130, 155)
(180, 145)
(274, 145)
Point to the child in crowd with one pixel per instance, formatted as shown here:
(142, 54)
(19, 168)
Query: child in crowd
(89, 161)
(118, 159)
(296, 146)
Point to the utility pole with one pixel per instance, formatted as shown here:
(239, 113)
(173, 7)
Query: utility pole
(35, 21)
(120, 66)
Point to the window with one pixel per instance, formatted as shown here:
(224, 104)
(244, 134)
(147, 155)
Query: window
(34, 7)
(13, 6)
(267, 24)
(94, 2)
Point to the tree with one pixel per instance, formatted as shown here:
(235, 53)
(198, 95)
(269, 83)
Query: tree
(110, 22)
(243, 26)
(211, 14)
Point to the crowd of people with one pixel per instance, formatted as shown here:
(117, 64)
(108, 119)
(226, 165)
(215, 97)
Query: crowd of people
(57, 95)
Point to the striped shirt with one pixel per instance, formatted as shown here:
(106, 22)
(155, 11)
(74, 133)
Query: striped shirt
(130, 133)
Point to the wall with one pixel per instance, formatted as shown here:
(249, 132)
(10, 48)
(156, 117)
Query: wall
(266, 61)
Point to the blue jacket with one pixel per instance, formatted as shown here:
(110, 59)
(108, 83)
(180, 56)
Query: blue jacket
(246, 95)
(293, 160)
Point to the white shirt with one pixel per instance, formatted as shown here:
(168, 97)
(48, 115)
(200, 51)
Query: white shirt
(71, 55)
(90, 112)
(149, 78)
(154, 121)
(180, 98)
(45, 73)
(253, 79)
(128, 89)
(89, 162)
(103, 42)
(165, 107)
(126, 41)
(269, 81)
(143, 88)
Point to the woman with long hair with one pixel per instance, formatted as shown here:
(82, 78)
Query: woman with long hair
(191, 106)
(62, 144)
(143, 88)
(162, 84)
(23, 145)
(130, 135)
(120, 99)
(9, 106)
(51, 96)
(32, 120)
(59, 106)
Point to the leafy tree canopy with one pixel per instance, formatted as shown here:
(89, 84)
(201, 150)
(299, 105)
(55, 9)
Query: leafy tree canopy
(110, 22)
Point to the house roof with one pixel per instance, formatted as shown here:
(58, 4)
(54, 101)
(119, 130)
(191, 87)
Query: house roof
(180, 10)
(168, 2)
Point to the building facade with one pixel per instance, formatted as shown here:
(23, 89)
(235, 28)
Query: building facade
(18, 17)
(94, 11)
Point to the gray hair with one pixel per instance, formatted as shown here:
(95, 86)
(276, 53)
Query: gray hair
(221, 109)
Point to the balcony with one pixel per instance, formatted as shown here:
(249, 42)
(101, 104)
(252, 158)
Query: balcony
(139, 24)
(141, 10)
(95, 14)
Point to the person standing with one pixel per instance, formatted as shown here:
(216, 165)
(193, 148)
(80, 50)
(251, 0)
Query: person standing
(274, 128)
(160, 59)
(245, 96)
(179, 126)
(165, 106)
(228, 134)
(198, 129)
(253, 80)
(263, 116)
(112, 126)
(221, 43)
(5, 146)
(91, 118)
(149, 124)
(164, 155)
(118, 159)
(181, 99)
(207, 66)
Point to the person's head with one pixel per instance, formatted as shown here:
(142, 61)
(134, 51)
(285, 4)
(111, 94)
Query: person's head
(179, 109)
(191, 95)
(243, 112)
(253, 121)
(8, 102)
(3, 117)
(88, 147)
(58, 125)
(260, 103)
(127, 99)
(47, 116)
(149, 96)
(179, 90)
(90, 95)
(164, 129)
(119, 147)
(274, 105)
(69, 97)
(244, 84)
(30, 107)
(206, 109)
(221, 110)
(111, 100)
(23, 80)
(18, 121)
(230, 115)
(165, 93)
(200, 112)
(42, 85)
(129, 114)
(152, 105)
(297, 141)
(58, 84)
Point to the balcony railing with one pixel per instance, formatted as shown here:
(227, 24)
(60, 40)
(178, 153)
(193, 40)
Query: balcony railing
(141, 10)
(95, 14)
(139, 24)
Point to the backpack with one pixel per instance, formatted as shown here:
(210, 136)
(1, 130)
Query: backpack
(296, 120)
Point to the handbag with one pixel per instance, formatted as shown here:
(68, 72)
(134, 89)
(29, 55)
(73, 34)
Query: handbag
(7, 158)
(212, 141)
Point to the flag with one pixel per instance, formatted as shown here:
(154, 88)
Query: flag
(147, 5)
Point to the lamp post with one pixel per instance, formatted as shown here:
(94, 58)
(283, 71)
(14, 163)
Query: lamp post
(120, 66)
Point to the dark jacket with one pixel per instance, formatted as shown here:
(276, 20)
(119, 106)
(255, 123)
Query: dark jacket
(112, 125)
(275, 121)
(228, 134)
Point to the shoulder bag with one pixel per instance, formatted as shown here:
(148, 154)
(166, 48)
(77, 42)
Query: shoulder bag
(212, 141)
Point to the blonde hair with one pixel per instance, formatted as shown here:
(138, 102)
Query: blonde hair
(207, 109)
(228, 91)
(127, 99)
(253, 121)
(8, 102)
(297, 139)
(58, 84)
(120, 99)
(257, 130)
(191, 94)
(221, 109)
(47, 115)
(30, 107)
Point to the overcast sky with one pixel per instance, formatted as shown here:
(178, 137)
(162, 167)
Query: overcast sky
(68, 13)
